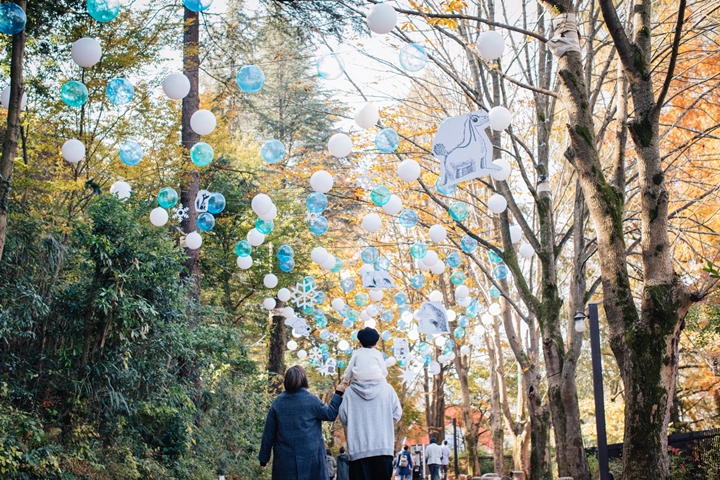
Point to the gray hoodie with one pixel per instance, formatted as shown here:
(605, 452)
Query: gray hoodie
(369, 410)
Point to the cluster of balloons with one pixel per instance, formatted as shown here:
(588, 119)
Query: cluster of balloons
(316, 203)
(266, 210)
(167, 198)
(286, 257)
(320, 256)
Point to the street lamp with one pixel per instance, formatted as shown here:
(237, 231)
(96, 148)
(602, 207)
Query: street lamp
(597, 384)
(580, 321)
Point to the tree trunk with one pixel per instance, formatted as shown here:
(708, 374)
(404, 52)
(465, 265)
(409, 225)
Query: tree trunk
(191, 104)
(471, 427)
(276, 357)
(10, 142)
(496, 425)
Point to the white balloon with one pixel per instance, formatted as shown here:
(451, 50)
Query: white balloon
(407, 316)
(451, 315)
(497, 203)
(337, 305)
(413, 335)
(319, 255)
(255, 238)
(430, 258)
(438, 233)
(370, 323)
(435, 296)
(382, 18)
(526, 250)
(500, 118)
(422, 266)
(302, 354)
(329, 263)
(372, 222)
(438, 268)
(450, 356)
(261, 204)
(409, 170)
(441, 358)
(203, 122)
(159, 217)
(73, 150)
(464, 350)
(515, 233)
(176, 86)
(270, 215)
(321, 181)
(490, 45)
(284, 295)
(288, 312)
(376, 295)
(390, 362)
(5, 98)
(464, 301)
(434, 368)
(367, 116)
(373, 310)
(121, 189)
(292, 345)
(270, 281)
(494, 309)
(366, 268)
(340, 145)
(394, 206)
(343, 345)
(245, 262)
(503, 174)
(462, 291)
(364, 315)
(269, 303)
(86, 52)
(193, 241)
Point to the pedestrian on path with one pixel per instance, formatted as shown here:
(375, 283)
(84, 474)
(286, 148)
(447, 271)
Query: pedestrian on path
(445, 459)
(404, 464)
(331, 464)
(369, 411)
(433, 458)
(343, 465)
(293, 430)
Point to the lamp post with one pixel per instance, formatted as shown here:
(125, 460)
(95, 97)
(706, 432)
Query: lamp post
(597, 384)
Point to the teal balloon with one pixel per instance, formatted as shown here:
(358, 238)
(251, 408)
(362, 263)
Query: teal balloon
(250, 79)
(131, 153)
(459, 332)
(74, 94)
(454, 260)
(308, 309)
(418, 281)
(347, 285)
(202, 154)
(324, 333)
(308, 283)
(103, 10)
(472, 309)
(320, 298)
(120, 91)
(216, 203)
(418, 250)
(408, 218)
(322, 323)
(382, 264)
(501, 272)
(167, 197)
(404, 308)
(468, 244)
(380, 195)
(423, 348)
(354, 334)
(370, 255)
(353, 315)
(457, 278)
(400, 298)
(287, 265)
(316, 202)
(197, 5)
(402, 324)
(444, 190)
(463, 321)
(361, 299)
(338, 266)
(387, 140)
(12, 18)
(459, 211)
(330, 66)
(494, 292)
(205, 222)
(285, 252)
(347, 323)
(413, 57)
(345, 311)
(494, 257)
(264, 226)
(342, 363)
(319, 225)
(272, 151)
(243, 248)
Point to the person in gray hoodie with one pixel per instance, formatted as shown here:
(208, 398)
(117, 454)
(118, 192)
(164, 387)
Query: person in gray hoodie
(369, 411)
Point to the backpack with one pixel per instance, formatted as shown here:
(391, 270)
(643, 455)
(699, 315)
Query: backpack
(403, 461)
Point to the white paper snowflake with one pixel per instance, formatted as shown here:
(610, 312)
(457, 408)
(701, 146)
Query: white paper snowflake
(315, 353)
(180, 213)
(309, 216)
(408, 375)
(335, 337)
(303, 294)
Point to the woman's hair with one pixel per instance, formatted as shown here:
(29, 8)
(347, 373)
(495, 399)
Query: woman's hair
(295, 379)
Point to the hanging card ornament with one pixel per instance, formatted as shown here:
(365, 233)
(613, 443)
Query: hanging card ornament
(201, 201)
(432, 319)
(463, 148)
(377, 279)
(401, 349)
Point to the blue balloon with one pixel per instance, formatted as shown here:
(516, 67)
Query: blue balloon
(353, 315)
(320, 298)
(413, 57)
(494, 257)
(287, 265)
(418, 250)
(444, 190)
(459, 332)
(400, 298)
(468, 244)
(501, 272)
(202, 154)
(387, 140)
(408, 218)
(353, 334)
(382, 264)
(197, 5)
(73, 93)
(386, 335)
(250, 78)
(243, 248)
(458, 277)
(120, 91)
(380, 195)
(322, 323)
(205, 222)
(402, 324)
(494, 292)
(370, 255)
(308, 309)
(131, 153)
(316, 202)
(330, 66)
(418, 281)
(319, 225)
(347, 285)
(404, 308)
(216, 203)
(387, 315)
(463, 321)
(285, 252)
(454, 260)
(345, 310)
(264, 226)
(12, 18)
(423, 348)
(103, 10)
(472, 309)
(272, 151)
(361, 299)
(347, 323)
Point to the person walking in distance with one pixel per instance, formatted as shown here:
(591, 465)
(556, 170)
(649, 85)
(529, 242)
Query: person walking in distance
(433, 458)
(331, 464)
(404, 464)
(343, 465)
(445, 459)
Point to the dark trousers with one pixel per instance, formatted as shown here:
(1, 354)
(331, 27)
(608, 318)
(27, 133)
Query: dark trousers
(434, 471)
(372, 468)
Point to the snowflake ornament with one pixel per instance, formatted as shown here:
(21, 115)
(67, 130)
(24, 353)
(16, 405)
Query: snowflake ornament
(315, 353)
(335, 337)
(303, 294)
(180, 213)
(309, 216)
(408, 375)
